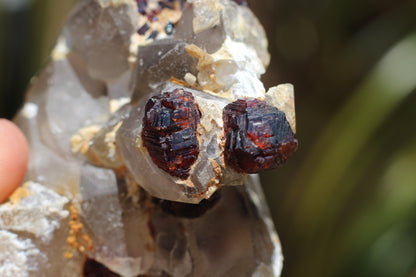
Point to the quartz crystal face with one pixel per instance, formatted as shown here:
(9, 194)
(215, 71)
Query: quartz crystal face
(143, 128)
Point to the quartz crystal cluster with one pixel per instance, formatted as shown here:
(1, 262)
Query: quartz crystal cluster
(143, 129)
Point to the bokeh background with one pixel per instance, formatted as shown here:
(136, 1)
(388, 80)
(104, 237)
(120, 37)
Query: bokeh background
(345, 203)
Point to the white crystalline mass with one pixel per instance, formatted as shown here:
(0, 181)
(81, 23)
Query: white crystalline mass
(245, 57)
(234, 69)
(17, 256)
(207, 15)
(243, 26)
(39, 213)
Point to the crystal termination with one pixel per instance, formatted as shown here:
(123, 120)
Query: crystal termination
(169, 131)
(258, 136)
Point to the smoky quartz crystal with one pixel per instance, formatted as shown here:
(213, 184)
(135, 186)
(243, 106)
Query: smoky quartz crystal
(131, 171)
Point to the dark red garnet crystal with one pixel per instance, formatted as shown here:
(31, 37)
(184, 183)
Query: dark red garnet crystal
(169, 131)
(93, 268)
(258, 136)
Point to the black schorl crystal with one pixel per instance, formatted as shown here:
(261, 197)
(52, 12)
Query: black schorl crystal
(142, 30)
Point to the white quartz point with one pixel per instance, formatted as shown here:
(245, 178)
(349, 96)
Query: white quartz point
(207, 14)
(100, 31)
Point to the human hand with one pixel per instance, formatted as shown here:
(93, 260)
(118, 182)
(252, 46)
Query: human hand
(14, 152)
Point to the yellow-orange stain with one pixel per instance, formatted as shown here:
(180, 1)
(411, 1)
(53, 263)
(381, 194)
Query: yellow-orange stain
(19, 194)
(77, 239)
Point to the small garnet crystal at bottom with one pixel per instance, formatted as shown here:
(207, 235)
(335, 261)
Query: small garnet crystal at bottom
(93, 268)
(258, 136)
(169, 131)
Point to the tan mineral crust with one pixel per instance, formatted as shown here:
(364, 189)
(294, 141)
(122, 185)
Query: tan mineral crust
(94, 202)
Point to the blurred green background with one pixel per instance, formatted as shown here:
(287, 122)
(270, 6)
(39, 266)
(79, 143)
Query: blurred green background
(345, 204)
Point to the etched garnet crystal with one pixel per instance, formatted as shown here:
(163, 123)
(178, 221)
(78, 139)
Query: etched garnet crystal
(258, 136)
(169, 131)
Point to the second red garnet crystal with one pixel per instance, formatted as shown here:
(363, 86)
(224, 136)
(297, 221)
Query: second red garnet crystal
(169, 131)
(258, 136)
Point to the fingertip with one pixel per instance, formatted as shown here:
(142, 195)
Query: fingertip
(14, 154)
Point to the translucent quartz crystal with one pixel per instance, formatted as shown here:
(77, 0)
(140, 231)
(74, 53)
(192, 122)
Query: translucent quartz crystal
(171, 240)
(95, 31)
(120, 187)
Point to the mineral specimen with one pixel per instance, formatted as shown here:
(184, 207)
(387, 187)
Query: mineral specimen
(258, 136)
(169, 131)
(142, 130)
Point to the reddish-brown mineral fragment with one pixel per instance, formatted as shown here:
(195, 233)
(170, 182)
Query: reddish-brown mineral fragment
(169, 131)
(258, 136)
(93, 268)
